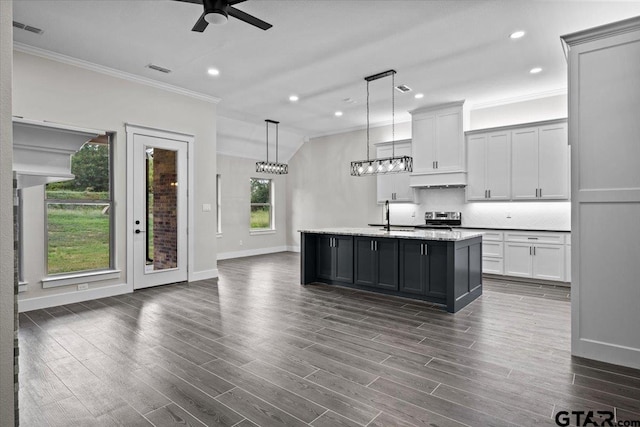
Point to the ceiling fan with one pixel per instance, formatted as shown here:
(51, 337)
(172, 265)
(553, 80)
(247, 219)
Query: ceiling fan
(217, 12)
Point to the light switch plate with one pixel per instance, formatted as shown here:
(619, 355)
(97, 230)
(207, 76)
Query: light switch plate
(206, 207)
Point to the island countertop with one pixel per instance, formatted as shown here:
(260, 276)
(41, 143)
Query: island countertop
(447, 236)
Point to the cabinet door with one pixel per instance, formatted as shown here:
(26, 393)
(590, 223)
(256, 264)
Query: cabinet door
(548, 262)
(423, 128)
(476, 167)
(518, 260)
(343, 258)
(364, 273)
(324, 257)
(492, 265)
(386, 265)
(413, 268)
(553, 167)
(403, 192)
(524, 163)
(498, 165)
(449, 153)
(438, 274)
(386, 183)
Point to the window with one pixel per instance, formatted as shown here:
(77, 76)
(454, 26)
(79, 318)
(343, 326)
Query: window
(219, 203)
(261, 204)
(79, 214)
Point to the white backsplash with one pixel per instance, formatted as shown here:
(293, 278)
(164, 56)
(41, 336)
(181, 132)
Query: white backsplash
(547, 215)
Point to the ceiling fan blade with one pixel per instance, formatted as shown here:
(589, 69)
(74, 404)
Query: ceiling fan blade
(191, 1)
(201, 24)
(249, 19)
(230, 2)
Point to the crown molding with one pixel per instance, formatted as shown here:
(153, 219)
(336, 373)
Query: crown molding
(54, 56)
(520, 98)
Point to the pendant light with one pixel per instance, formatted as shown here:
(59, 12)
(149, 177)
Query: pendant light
(384, 165)
(270, 167)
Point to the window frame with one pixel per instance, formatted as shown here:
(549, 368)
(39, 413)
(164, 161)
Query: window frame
(67, 277)
(272, 222)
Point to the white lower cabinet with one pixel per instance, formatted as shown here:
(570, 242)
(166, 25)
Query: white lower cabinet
(537, 256)
(567, 262)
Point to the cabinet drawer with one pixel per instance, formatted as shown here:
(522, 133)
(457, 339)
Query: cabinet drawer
(546, 238)
(492, 265)
(496, 236)
(492, 249)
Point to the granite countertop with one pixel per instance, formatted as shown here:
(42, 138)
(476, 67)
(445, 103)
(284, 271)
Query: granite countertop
(479, 228)
(449, 236)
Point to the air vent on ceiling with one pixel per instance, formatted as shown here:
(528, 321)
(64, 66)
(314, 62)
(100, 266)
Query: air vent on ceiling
(29, 28)
(403, 88)
(159, 68)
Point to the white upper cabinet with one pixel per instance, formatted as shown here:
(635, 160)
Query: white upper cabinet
(488, 166)
(394, 187)
(438, 146)
(540, 162)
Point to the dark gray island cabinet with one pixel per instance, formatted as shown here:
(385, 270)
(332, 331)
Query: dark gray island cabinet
(444, 267)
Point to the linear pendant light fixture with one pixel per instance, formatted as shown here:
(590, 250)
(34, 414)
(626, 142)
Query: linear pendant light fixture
(383, 165)
(270, 167)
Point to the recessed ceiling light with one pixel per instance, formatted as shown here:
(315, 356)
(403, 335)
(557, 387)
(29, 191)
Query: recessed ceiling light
(418, 95)
(293, 98)
(338, 113)
(535, 70)
(213, 72)
(517, 34)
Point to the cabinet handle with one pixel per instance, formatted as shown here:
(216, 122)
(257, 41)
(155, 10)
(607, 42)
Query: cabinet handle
(335, 242)
(426, 249)
(376, 245)
(541, 192)
(532, 238)
(489, 193)
(371, 245)
(485, 194)
(436, 164)
(530, 252)
(421, 248)
(534, 250)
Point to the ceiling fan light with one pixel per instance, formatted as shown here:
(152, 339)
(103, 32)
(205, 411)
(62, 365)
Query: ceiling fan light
(216, 17)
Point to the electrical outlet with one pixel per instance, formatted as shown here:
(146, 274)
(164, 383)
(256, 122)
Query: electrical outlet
(508, 214)
(83, 287)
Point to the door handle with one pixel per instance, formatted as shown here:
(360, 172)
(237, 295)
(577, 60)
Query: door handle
(138, 231)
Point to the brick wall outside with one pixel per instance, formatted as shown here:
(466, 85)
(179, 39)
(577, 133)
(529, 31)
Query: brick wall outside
(165, 244)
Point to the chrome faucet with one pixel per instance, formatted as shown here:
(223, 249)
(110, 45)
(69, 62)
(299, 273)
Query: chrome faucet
(386, 207)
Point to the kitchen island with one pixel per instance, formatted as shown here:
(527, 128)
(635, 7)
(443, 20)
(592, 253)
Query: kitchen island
(444, 267)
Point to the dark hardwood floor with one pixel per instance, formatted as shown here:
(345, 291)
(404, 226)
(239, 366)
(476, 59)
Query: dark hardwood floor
(256, 348)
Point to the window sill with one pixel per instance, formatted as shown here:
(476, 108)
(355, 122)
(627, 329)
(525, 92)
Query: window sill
(260, 232)
(74, 279)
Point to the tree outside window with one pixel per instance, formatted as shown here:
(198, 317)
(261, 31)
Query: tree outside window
(261, 204)
(79, 214)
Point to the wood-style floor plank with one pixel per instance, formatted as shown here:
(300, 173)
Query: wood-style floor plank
(255, 348)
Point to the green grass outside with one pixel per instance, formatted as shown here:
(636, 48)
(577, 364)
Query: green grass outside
(78, 238)
(260, 217)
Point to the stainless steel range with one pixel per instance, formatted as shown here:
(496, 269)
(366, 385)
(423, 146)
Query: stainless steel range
(441, 220)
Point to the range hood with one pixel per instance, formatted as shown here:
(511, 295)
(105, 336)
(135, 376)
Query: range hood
(42, 150)
(439, 180)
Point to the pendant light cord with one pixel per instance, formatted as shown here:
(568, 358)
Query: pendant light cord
(393, 115)
(368, 120)
(267, 138)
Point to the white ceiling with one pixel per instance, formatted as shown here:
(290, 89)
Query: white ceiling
(322, 49)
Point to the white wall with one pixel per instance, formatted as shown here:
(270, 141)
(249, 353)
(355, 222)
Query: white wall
(236, 240)
(49, 90)
(513, 113)
(7, 311)
(322, 193)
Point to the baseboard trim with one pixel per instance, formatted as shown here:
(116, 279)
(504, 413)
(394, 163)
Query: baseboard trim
(525, 280)
(607, 352)
(294, 248)
(251, 252)
(203, 275)
(55, 300)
